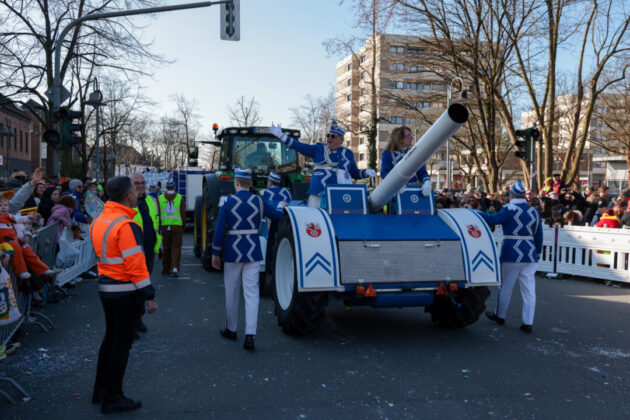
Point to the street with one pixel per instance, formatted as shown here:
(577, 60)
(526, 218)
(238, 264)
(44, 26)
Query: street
(363, 363)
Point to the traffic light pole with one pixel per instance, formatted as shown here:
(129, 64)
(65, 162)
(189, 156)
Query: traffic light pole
(56, 87)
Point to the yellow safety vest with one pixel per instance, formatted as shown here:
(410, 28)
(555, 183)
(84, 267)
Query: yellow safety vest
(174, 219)
(153, 212)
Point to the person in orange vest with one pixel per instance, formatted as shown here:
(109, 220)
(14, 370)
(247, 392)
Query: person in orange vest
(124, 286)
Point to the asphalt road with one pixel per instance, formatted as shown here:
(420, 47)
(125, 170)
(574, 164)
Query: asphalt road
(363, 363)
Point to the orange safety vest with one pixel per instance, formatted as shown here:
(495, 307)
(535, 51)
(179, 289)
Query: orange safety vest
(120, 258)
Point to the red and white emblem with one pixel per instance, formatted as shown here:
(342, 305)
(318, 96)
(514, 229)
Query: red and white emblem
(473, 230)
(313, 230)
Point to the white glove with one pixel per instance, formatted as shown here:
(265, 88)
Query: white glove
(343, 177)
(276, 130)
(370, 172)
(426, 188)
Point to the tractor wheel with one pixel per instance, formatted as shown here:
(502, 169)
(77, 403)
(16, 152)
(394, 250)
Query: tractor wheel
(262, 283)
(298, 313)
(197, 227)
(208, 221)
(459, 309)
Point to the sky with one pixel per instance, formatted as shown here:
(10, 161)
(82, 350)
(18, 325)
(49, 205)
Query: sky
(278, 61)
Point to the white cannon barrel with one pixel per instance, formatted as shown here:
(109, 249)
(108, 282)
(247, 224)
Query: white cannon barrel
(445, 126)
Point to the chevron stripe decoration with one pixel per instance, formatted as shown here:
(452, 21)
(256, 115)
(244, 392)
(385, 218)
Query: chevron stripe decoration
(482, 258)
(317, 260)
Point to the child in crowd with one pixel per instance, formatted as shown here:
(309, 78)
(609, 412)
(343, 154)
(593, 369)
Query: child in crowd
(23, 256)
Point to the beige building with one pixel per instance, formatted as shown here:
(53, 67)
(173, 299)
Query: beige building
(411, 86)
(599, 164)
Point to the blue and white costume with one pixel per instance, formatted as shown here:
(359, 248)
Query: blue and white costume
(236, 237)
(389, 159)
(522, 246)
(327, 162)
(275, 193)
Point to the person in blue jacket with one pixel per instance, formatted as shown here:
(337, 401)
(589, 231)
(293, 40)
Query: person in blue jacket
(400, 141)
(334, 164)
(274, 192)
(522, 245)
(236, 242)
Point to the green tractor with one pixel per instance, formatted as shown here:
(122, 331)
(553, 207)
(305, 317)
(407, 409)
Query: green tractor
(244, 147)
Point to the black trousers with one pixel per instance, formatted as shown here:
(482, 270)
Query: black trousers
(121, 319)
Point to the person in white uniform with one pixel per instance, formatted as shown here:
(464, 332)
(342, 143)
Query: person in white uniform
(236, 242)
(522, 245)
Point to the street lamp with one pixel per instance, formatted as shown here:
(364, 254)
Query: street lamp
(96, 100)
(449, 95)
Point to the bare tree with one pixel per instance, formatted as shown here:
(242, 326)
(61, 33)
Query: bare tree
(313, 117)
(245, 112)
(28, 32)
(187, 119)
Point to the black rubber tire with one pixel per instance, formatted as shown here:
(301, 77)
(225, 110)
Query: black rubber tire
(306, 311)
(262, 283)
(206, 255)
(460, 309)
(197, 226)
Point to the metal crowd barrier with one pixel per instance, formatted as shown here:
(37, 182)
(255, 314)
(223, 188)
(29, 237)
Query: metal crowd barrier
(599, 253)
(85, 259)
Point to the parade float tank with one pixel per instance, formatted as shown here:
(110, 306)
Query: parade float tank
(444, 260)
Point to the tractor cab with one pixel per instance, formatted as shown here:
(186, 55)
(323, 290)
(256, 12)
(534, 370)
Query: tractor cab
(256, 149)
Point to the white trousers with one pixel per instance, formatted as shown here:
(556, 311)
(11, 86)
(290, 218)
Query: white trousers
(233, 274)
(314, 201)
(525, 274)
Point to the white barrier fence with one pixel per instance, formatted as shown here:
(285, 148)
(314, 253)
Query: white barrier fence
(598, 253)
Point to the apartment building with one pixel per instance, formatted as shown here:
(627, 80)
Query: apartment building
(411, 83)
(602, 162)
(17, 128)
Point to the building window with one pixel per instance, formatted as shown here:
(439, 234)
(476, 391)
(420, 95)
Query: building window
(361, 156)
(416, 69)
(363, 91)
(396, 85)
(439, 88)
(362, 75)
(21, 141)
(26, 142)
(348, 98)
(409, 121)
(415, 51)
(424, 104)
(396, 67)
(362, 58)
(349, 82)
(361, 140)
(349, 67)
(396, 120)
(396, 49)
(362, 108)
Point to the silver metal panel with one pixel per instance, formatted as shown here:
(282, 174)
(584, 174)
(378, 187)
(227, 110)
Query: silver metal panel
(400, 261)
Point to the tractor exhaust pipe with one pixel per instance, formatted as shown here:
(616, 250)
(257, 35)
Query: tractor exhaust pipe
(441, 130)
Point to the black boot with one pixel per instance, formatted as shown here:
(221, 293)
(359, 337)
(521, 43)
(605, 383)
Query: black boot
(494, 317)
(249, 342)
(526, 328)
(230, 335)
(141, 326)
(119, 403)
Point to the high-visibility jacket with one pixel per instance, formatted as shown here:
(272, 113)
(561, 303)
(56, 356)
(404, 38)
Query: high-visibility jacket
(120, 259)
(174, 219)
(155, 217)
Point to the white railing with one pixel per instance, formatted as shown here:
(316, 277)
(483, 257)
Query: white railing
(599, 253)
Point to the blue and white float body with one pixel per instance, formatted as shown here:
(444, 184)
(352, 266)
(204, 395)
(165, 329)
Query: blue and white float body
(404, 256)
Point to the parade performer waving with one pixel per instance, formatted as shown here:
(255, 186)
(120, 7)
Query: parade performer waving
(334, 164)
(397, 147)
(522, 245)
(236, 237)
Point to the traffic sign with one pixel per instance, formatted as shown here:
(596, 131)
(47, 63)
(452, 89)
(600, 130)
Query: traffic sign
(65, 94)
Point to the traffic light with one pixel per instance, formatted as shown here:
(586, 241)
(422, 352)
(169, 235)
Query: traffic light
(193, 154)
(230, 21)
(51, 135)
(69, 128)
(526, 147)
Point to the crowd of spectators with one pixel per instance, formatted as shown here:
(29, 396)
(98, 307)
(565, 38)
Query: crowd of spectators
(557, 203)
(41, 201)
